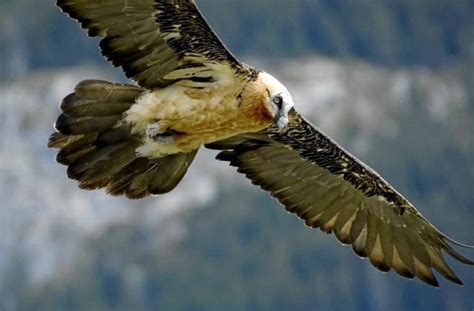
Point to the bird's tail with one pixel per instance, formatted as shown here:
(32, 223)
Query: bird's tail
(99, 149)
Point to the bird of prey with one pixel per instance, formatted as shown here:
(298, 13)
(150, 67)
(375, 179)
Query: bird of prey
(192, 92)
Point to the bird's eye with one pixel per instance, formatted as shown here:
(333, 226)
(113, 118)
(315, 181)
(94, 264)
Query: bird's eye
(278, 100)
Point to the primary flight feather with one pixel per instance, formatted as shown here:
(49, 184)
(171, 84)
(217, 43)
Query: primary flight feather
(192, 92)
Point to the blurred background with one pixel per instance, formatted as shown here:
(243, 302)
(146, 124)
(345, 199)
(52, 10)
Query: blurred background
(392, 81)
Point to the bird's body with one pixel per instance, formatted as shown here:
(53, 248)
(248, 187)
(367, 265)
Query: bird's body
(192, 92)
(198, 116)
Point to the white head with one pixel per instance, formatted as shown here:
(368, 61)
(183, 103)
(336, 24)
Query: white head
(279, 102)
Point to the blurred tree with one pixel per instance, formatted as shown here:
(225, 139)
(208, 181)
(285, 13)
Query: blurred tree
(401, 32)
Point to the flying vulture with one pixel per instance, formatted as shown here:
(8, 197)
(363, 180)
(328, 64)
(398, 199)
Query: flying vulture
(140, 140)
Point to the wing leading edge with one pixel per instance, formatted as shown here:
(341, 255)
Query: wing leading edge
(314, 178)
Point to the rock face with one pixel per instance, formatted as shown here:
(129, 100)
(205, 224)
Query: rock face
(415, 126)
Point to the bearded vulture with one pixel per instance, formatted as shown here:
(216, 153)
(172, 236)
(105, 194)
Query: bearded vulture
(140, 140)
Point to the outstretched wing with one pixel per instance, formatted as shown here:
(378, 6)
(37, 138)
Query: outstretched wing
(328, 188)
(156, 42)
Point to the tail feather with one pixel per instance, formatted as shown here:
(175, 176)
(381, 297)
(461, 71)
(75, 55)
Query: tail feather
(172, 169)
(76, 149)
(113, 136)
(121, 184)
(105, 160)
(108, 91)
(100, 151)
(76, 106)
(138, 186)
(141, 178)
(69, 125)
(58, 140)
(103, 171)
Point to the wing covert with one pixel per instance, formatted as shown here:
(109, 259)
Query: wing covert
(150, 39)
(314, 178)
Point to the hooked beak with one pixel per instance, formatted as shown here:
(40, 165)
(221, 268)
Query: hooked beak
(281, 120)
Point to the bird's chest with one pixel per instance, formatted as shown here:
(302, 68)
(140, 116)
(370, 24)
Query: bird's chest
(222, 115)
(200, 116)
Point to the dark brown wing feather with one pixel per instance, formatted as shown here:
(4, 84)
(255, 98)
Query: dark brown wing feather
(328, 188)
(151, 38)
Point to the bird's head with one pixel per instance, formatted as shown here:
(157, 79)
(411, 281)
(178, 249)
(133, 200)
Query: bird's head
(279, 101)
